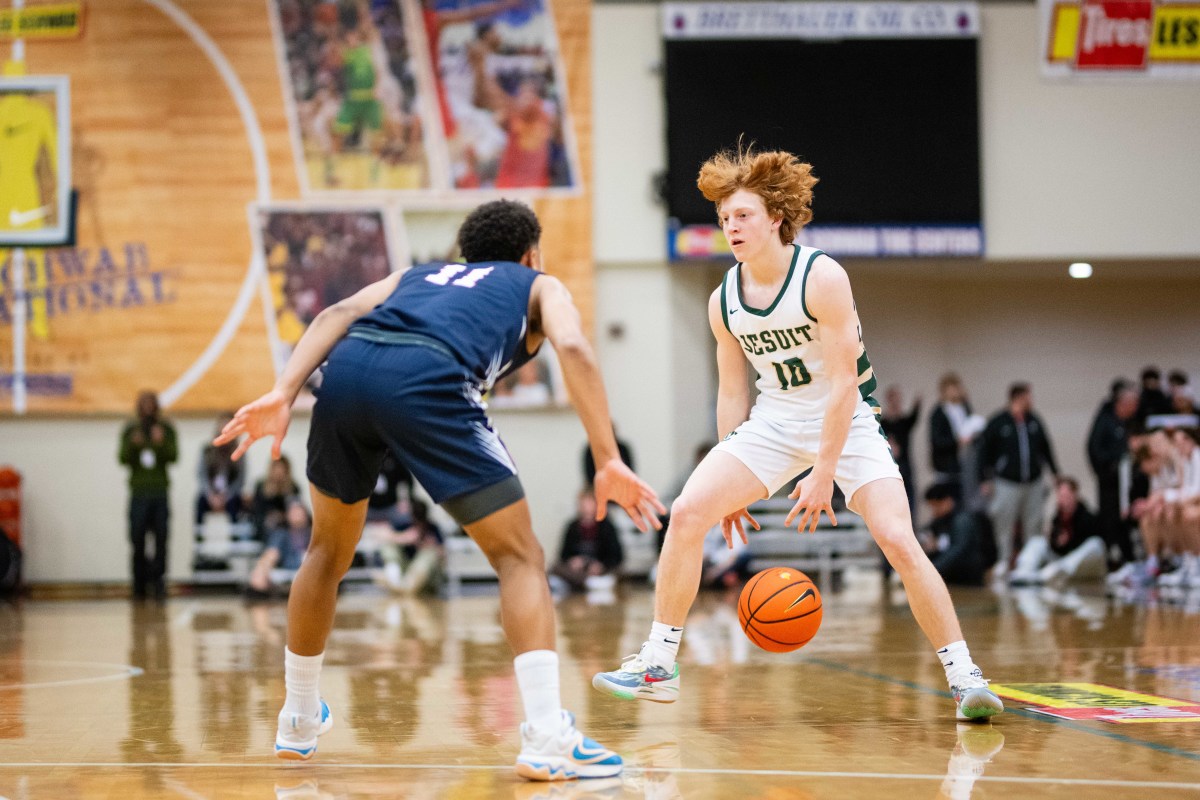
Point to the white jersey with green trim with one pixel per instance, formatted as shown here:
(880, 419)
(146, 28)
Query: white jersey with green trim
(783, 343)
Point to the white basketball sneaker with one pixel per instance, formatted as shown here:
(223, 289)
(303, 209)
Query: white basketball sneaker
(563, 754)
(973, 700)
(296, 738)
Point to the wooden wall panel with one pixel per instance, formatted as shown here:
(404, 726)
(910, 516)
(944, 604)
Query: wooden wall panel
(164, 170)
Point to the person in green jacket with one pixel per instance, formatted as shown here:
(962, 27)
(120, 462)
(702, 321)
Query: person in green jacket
(148, 445)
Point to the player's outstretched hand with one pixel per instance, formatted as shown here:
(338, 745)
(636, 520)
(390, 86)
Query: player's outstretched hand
(813, 495)
(269, 415)
(734, 522)
(617, 483)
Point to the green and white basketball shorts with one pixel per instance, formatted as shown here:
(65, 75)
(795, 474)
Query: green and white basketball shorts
(777, 451)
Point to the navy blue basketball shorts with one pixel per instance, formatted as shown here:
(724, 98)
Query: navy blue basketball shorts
(419, 403)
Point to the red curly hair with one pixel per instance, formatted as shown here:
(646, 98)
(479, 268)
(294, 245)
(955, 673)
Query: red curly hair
(783, 181)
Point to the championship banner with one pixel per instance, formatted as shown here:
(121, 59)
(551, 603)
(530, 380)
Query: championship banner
(1122, 39)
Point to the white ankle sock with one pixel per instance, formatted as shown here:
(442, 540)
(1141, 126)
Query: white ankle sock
(956, 660)
(301, 674)
(663, 645)
(537, 678)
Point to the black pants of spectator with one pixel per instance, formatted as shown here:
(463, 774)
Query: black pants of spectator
(233, 507)
(148, 515)
(1115, 530)
(575, 578)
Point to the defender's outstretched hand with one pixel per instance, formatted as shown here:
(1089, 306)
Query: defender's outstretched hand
(617, 483)
(734, 522)
(269, 415)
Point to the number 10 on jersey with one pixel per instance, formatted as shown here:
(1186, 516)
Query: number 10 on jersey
(791, 373)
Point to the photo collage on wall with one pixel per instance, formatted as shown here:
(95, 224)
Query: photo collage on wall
(428, 98)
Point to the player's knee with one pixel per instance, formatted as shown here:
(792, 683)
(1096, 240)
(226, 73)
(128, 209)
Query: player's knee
(517, 552)
(687, 520)
(899, 544)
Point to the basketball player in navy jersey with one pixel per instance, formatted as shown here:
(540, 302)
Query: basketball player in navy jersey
(788, 312)
(409, 360)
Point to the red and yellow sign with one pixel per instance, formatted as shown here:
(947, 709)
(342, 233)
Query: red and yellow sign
(1123, 35)
(1095, 701)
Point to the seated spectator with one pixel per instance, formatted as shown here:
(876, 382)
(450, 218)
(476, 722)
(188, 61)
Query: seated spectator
(590, 547)
(725, 567)
(268, 504)
(412, 550)
(1073, 549)
(1165, 517)
(957, 539)
(285, 549)
(393, 488)
(221, 479)
(1185, 513)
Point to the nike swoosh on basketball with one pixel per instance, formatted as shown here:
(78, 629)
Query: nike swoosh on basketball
(807, 593)
(18, 218)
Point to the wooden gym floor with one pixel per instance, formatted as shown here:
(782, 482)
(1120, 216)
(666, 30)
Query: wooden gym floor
(108, 699)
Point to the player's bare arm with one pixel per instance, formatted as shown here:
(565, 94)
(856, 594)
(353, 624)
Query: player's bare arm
(270, 414)
(733, 400)
(831, 302)
(555, 316)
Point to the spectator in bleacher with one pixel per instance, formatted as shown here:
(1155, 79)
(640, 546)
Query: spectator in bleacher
(1073, 549)
(898, 427)
(956, 538)
(1159, 459)
(285, 548)
(1185, 516)
(1013, 453)
(268, 504)
(1152, 400)
(1176, 380)
(412, 551)
(1183, 400)
(148, 445)
(726, 564)
(953, 430)
(221, 479)
(590, 548)
(393, 489)
(1107, 446)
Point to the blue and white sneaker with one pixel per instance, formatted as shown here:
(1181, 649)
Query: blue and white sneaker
(640, 680)
(563, 754)
(974, 701)
(296, 739)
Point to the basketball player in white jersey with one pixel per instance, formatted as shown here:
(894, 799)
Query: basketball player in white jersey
(787, 311)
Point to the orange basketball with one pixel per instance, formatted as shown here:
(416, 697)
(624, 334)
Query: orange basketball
(780, 609)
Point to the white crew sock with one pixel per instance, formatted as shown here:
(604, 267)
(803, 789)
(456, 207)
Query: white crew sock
(662, 647)
(537, 678)
(301, 674)
(956, 660)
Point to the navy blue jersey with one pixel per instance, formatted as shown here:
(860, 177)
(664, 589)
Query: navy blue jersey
(479, 311)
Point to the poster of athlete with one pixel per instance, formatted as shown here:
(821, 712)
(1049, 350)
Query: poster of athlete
(315, 257)
(352, 94)
(35, 151)
(501, 93)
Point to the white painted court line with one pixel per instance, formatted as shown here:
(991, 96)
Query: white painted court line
(765, 773)
(122, 672)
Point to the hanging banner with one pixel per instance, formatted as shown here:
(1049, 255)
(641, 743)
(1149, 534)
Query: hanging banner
(1130, 39)
(818, 20)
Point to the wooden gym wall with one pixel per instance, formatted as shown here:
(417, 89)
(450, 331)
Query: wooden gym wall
(165, 168)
